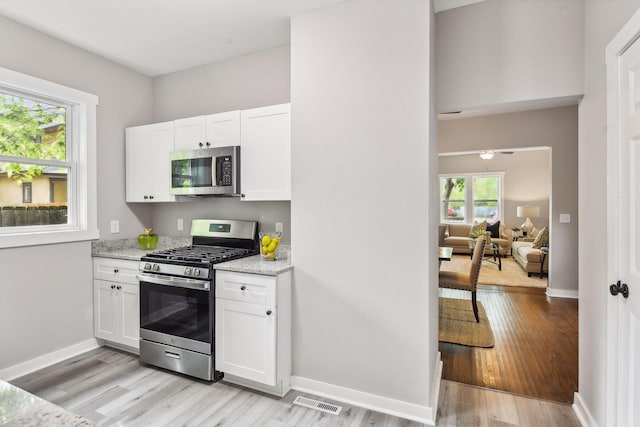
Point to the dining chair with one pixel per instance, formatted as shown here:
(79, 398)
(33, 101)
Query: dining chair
(466, 281)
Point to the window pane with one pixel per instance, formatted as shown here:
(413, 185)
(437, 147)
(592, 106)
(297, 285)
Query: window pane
(47, 191)
(485, 198)
(31, 128)
(453, 199)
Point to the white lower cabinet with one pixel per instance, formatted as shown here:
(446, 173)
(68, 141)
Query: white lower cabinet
(253, 330)
(116, 302)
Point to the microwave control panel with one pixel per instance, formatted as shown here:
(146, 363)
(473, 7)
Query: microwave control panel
(224, 169)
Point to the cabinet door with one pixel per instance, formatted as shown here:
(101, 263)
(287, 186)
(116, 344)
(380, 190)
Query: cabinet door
(129, 315)
(223, 129)
(104, 306)
(190, 133)
(266, 153)
(147, 163)
(246, 340)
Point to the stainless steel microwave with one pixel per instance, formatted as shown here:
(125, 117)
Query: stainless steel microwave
(206, 172)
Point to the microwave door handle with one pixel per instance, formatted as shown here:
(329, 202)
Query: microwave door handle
(218, 177)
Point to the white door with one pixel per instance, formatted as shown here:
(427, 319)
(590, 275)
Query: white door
(147, 163)
(190, 133)
(623, 68)
(129, 312)
(223, 129)
(246, 340)
(104, 305)
(266, 153)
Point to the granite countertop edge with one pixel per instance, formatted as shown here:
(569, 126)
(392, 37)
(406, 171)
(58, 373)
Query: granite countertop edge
(22, 408)
(128, 249)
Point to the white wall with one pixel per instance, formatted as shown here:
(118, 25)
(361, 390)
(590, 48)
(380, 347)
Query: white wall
(527, 180)
(46, 291)
(553, 127)
(603, 20)
(364, 304)
(247, 81)
(503, 51)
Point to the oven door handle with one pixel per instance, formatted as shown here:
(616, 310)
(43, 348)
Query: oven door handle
(180, 282)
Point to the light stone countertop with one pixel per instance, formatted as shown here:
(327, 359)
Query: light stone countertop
(21, 408)
(128, 249)
(257, 265)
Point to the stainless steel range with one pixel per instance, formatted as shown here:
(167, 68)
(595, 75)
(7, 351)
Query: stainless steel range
(177, 296)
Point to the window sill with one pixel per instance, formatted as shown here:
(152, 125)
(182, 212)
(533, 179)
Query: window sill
(47, 238)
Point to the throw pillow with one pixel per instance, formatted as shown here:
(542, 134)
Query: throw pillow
(477, 227)
(541, 238)
(494, 229)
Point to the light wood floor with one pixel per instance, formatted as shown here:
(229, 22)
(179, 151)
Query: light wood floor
(536, 350)
(111, 388)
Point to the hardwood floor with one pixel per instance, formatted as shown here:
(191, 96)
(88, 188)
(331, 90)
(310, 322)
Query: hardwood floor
(111, 388)
(536, 351)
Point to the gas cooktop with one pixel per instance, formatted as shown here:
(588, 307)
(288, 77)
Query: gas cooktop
(198, 254)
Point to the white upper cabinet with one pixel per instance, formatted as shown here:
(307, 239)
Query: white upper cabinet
(213, 130)
(147, 162)
(266, 153)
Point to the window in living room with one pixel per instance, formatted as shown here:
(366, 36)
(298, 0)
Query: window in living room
(466, 198)
(486, 198)
(452, 195)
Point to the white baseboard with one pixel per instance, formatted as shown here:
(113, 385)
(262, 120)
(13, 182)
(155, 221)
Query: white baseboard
(435, 388)
(48, 359)
(582, 412)
(398, 408)
(562, 293)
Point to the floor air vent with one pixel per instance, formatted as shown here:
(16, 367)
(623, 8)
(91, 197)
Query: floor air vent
(318, 405)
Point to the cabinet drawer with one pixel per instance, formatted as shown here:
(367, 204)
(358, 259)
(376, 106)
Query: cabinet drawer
(246, 287)
(118, 270)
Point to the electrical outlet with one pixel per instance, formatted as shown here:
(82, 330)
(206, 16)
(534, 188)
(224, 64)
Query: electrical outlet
(565, 218)
(279, 227)
(115, 226)
(180, 224)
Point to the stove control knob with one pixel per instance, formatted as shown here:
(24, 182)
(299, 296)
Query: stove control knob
(196, 272)
(156, 267)
(187, 271)
(147, 266)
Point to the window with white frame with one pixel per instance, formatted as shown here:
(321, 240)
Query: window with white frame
(47, 162)
(469, 198)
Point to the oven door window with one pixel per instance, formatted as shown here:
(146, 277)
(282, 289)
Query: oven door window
(176, 311)
(192, 173)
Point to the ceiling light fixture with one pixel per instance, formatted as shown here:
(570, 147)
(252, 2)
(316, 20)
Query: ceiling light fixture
(486, 155)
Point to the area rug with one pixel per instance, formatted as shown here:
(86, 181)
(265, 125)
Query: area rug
(458, 324)
(511, 275)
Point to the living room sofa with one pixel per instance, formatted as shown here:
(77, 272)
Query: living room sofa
(457, 237)
(529, 257)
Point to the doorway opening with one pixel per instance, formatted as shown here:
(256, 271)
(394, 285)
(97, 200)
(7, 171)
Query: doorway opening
(536, 335)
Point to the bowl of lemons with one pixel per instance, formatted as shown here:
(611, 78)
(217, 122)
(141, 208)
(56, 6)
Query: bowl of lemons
(269, 243)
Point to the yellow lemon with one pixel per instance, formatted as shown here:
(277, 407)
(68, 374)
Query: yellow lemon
(272, 247)
(275, 240)
(265, 249)
(266, 240)
(271, 255)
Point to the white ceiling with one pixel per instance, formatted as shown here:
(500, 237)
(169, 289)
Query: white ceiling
(158, 37)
